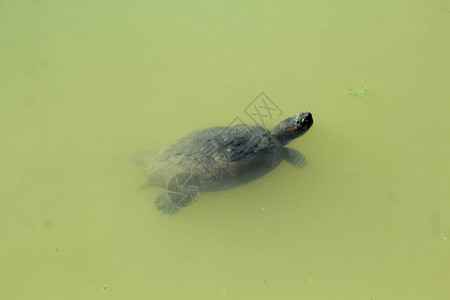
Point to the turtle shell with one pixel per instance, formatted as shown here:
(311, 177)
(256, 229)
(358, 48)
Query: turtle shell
(219, 157)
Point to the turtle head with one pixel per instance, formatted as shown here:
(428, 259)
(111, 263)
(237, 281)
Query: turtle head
(292, 127)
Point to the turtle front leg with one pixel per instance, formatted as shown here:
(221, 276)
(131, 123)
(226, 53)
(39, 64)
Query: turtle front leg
(294, 157)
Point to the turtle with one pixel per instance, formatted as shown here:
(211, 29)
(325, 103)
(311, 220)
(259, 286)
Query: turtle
(220, 158)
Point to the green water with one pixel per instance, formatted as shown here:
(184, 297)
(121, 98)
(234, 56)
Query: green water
(85, 85)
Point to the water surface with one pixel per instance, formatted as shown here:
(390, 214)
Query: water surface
(85, 85)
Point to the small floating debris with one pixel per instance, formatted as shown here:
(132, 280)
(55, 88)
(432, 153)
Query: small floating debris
(359, 90)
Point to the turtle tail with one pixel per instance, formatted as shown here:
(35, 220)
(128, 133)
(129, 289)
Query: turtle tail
(165, 205)
(141, 158)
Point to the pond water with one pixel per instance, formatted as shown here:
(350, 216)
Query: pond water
(85, 86)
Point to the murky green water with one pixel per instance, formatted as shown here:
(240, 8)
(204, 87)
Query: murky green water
(85, 85)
